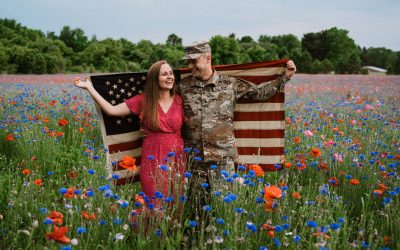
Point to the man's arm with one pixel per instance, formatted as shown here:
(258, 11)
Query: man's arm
(266, 90)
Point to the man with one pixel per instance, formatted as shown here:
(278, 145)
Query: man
(209, 99)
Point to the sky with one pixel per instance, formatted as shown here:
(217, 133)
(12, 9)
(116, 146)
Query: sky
(371, 23)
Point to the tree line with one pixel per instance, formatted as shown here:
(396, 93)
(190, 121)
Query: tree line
(28, 51)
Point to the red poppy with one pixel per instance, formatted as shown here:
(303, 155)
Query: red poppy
(315, 152)
(70, 193)
(296, 195)
(59, 235)
(56, 217)
(333, 181)
(72, 174)
(271, 193)
(297, 140)
(62, 122)
(257, 169)
(288, 165)
(128, 163)
(26, 171)
(38, 182)
(87, 216)
(139, 199)
(323, 166)
(354, 182)
(53, 102)
(10, 137)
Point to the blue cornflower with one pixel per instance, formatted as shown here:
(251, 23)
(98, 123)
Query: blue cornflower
(334, 226)
(311, 223)
(102, 222)
(197, 158)
(285, 226)
(182, 198)
(158, 232)
(186, 150)
(43, 210)
(66, 247)
(251, 226)
(81, 230)
(48, 221)
(213, 166)
(124, 204)
(50, 173)
(169, 199)
(241, 168)
(62, 190)
(224, 173)
(239, 210)
(217, 193)
(150, 157)
(187, 174)
(278, 228)
(296, 239)
(170, 154)
(95, 157)
(277, 242)
(192, 223)
(207, 208)
(117, 221)
(220, 221)
(89, 193)
(163, 167)
(115, 176)
(104, 188)
(204, 185)
(91, 171)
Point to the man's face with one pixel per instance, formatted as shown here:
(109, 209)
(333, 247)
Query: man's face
(199, 66)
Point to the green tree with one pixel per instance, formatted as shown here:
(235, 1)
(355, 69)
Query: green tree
(225, 50)
(74, 38)
(174, 41)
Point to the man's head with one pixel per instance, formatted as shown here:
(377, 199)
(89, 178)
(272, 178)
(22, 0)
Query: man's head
(198, 58)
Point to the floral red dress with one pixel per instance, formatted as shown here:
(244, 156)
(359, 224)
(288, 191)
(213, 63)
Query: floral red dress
(162, 158)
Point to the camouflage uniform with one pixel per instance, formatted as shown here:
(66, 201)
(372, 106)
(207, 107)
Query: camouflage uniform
(208, 108)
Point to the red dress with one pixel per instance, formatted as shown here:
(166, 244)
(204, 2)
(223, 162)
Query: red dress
(158, 145)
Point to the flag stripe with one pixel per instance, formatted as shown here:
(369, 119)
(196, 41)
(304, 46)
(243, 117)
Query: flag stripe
(115, 148)
(262, 151)
(251, 107)
(260, 159)
(249, 133)
(260, 142)
(244, 125)
(122, 138)
(278, 98)
(260, 116)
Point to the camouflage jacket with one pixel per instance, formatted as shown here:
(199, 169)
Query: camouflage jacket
(208, 108)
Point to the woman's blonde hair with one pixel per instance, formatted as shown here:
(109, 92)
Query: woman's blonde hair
(151, 96)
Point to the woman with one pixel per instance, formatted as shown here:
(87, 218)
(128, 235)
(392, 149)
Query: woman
(161, 115)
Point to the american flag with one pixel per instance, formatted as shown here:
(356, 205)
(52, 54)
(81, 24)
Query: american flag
(259, 126)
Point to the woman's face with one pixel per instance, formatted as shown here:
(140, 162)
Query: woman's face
(166, 77)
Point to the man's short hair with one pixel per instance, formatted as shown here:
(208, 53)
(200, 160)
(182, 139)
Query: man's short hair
(196, 49)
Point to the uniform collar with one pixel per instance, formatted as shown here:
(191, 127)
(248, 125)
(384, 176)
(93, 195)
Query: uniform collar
(212, 81)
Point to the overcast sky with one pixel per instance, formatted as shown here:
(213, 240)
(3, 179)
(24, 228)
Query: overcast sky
(371, 23)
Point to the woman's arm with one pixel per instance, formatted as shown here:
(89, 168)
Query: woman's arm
(117, 110)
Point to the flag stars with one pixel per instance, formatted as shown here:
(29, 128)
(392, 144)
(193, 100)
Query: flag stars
(143, 78)
(133, 88)
(129, 94)
(113, 102)
(126, 84)
(122, 91)
(118, 96)
(131, 79)
(119, 122)
(115, 86)
(129, 119)
(119, 81)
(108, 83)
(110, 92)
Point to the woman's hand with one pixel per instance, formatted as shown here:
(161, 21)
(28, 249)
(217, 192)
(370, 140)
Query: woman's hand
(83, 84)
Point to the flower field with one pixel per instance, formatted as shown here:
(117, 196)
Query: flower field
(339, 187)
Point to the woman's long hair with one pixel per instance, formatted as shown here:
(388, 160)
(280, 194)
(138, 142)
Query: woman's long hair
(152, 95)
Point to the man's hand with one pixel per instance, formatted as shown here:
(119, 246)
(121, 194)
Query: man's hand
(290, 68)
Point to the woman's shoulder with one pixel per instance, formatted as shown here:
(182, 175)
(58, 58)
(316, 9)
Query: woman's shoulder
(178, 99)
